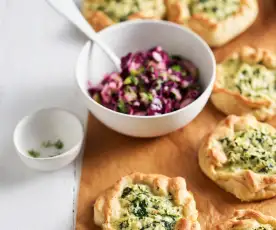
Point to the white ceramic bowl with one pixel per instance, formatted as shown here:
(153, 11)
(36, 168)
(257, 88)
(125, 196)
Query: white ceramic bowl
(134, 36)
(48, 125)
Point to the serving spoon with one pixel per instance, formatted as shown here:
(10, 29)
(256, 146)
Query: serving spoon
(69, 10)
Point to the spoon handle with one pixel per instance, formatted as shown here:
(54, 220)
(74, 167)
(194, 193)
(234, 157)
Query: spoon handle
(69, 10)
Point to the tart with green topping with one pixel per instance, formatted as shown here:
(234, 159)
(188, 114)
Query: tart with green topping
(217, 21)
(246, 83)
(103, 13)
(147, 201)
(240, 156)
(248, 220)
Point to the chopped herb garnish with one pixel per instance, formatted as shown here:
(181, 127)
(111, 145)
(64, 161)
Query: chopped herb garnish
(176, 68)
(122, 107)
(131, 80)
(34, 153)
(59, 144)
(48, 144)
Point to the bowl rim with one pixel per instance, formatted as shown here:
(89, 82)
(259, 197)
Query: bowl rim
(63, 154)
(88, 45)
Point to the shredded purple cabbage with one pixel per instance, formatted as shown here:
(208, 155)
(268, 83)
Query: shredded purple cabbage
(150, 83)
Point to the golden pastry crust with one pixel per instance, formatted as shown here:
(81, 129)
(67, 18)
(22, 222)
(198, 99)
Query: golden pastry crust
(232, 102)
(107, 206)
(215, 32)
(247, 220)
(100, 20)
(245, 184)
(178, 11)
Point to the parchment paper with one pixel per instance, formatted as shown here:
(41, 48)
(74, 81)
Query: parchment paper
(109, 155)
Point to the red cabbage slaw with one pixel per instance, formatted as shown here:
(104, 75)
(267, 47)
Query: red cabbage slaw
(150, 83)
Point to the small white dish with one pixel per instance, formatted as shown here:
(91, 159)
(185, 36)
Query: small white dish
(50, 124)
(140, 35)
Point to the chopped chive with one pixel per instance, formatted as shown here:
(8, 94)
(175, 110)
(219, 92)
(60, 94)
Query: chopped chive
(34, 153)
(121, 107)
(59, 144)
(48, 144)
(128, 80)
(176, 68)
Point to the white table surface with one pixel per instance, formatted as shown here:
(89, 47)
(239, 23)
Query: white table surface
(38, 52)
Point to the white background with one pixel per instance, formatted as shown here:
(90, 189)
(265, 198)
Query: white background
(38, 52)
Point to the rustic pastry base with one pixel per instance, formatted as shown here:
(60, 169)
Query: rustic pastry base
(109, 155)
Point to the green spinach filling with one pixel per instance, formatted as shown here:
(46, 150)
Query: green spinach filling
(252, 81)
(141, 209)
(252, 149)
(256, 82)
(267, 227)
(217, 9)
(119, 10)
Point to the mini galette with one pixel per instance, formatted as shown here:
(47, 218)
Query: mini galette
(248, 220)
(147, 201)
(103, 13)
(240, 156)
(216, 21)
(246, 84)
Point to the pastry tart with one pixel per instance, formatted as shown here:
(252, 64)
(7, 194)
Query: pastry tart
(240, 156)
(103, 13)
(147, 201)
(216, 21)
(248, 220)
(246, 84)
